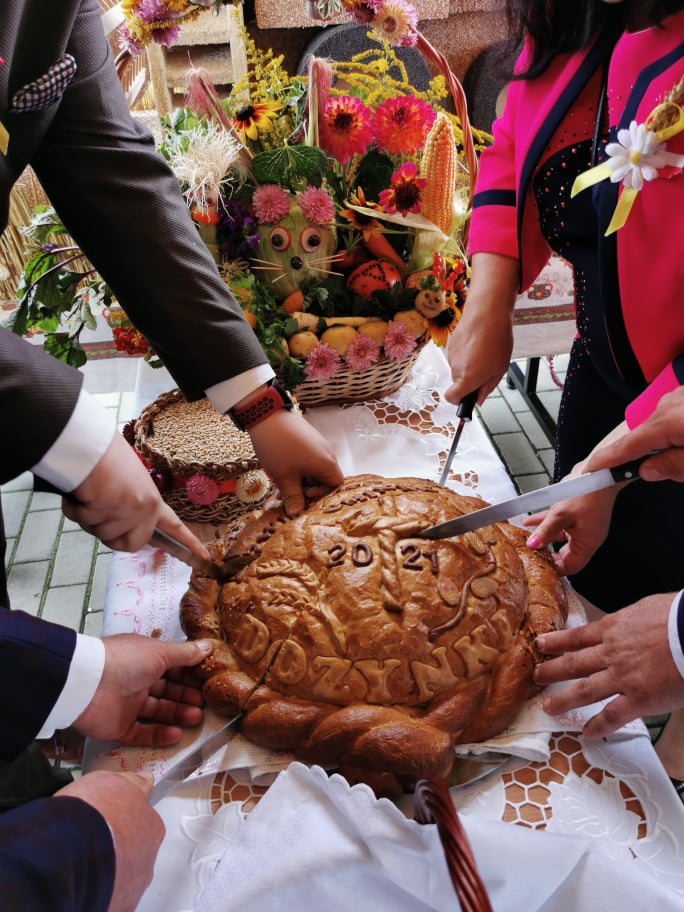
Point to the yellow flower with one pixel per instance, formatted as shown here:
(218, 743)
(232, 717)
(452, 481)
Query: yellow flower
(441, 326)
(396, 23)
(249, 119)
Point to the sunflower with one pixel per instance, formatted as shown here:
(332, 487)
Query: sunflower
(441, 326)
(250, 119)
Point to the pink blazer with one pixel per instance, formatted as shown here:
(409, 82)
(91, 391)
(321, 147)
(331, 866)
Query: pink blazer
(642, 264)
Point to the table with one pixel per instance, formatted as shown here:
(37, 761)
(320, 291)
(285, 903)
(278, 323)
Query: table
(613, 794)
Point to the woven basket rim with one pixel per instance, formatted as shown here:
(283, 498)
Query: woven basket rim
(380, 379)
(144, 444)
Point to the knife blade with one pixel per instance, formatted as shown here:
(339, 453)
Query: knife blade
(193, 761)
(208, 746)
(165, 542)
(464, 413)
(536, 500)
(467, 770)
(221, 572)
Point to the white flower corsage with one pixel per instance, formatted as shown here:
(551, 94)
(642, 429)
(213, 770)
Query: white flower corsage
(637, 156)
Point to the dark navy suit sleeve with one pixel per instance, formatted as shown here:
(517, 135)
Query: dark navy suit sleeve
(57, 854)
(35, 656)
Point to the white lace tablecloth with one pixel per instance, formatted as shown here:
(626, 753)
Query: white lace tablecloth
(613, 793)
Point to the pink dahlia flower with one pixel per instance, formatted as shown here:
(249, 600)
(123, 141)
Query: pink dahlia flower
(323, 363)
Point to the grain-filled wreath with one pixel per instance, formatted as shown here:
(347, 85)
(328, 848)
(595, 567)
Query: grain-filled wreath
(391, 648)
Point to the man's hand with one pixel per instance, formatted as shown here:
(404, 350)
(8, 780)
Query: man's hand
(299, 459)
(144, 695)
(625, 655)
(137, 829)
(121, 505)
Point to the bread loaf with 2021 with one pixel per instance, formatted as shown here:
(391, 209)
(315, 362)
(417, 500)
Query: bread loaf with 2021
(381, 650)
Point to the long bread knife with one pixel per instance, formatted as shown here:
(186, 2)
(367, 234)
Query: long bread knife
(221, 572)
(193, 761)
(165, 542)
(536, 500)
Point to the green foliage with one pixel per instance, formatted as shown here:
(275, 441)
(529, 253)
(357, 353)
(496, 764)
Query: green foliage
(374, 173)
(327, 298)
(291, 166)
(273, 327)
(176, 127)
(382, 303)
(59, 292)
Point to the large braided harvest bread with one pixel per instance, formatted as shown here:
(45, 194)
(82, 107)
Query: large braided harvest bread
(391, 648)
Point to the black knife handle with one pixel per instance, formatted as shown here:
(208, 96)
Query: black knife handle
(628, 471)
(465, 407)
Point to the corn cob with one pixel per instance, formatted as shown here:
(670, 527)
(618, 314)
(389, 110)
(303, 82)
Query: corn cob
(438, 167)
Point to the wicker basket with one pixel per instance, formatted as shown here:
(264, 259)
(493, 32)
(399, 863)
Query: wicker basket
(204, 466)
(347, 385)
(386, 375)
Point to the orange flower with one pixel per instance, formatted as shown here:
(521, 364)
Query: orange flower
(402, 124)
(346, 129)
(441, 326)
(366, 224)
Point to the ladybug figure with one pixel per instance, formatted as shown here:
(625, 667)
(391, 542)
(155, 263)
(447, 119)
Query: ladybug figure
(374, 275)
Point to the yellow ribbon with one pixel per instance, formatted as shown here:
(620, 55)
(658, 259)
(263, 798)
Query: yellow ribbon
(4, 139)
(674, 115)
(671, 111)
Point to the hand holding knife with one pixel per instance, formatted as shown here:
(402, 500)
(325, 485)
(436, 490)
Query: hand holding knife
(219, 571)
(540, 499)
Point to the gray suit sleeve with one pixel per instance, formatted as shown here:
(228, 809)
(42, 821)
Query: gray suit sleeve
(37, 396)
(123, 205)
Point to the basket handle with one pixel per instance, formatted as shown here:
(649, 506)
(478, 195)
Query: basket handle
(433, 804)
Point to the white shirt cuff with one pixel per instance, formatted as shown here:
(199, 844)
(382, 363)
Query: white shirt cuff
(673, 632)
(87, 665)
(81, 445)
(224, 395)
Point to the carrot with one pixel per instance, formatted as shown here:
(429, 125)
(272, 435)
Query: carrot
(377, 244)
(293, 301)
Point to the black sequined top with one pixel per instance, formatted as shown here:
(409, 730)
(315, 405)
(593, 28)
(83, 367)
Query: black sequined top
(570, 225)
